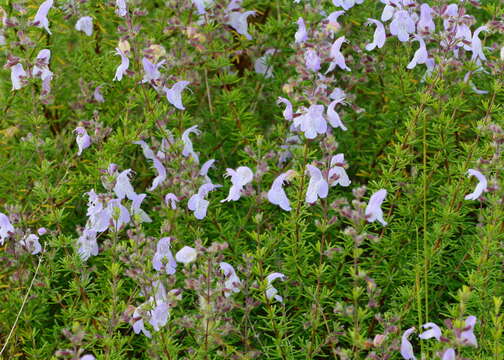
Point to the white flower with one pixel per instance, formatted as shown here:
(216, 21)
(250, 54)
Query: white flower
(239, 178)
(5, 228)
(238, 21)
(31, 242)
(198, 203)
(272, 292)
(85, 24)
(420, 56)
(163, 258)
(174, 94)
(312, 121)
(373, 209)
(402, 25)
(379, 35)
(338, 171)
(17, 76)
(83, 139)
(123, 187)
(121, 9)
(188, 146)
(276, 195)
(480, 188)
(40, 19)
(317, 187)
(186, 255)
(301, 35)
(406, 347)
(433, 332)
(262, 65)
(121, 69)
(87, 244)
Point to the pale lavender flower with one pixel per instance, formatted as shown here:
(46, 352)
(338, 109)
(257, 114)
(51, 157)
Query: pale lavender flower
(205, 168)
(477, 50)
(262, 66)
(312, 121)
(480, 188)
(232, 282)
(301, 35)
(151, 71)
(276, 195)
(186, 255)
(425, 23)
(337, 170)
(123, 67)
(121, 9)
(46, 77)
(42, 63)
(83, 139)
(87, 244)
(337, 56)
(420, 56)
(157, 164)
(333, 117)
(346, 4)
(172, 200)
(174, 94)
(136, 210)
(42, 231)
(272, 292)
(334, 25)
(201, 5)
(163, 258)
(119, 215)
(31, 242)
(378, 36)
(373, 210)
(40, 19)
(198, 203)
(238, 21)
(85, 24)
(138, 325)
(317, 187)
(88, 357)
(433, 332)
(449, 354)
(239, 178)
(6, 228)
(388, 10)
(188, 146)
(98, 216)
(402, 25)
(17, 76)
(98, 95)
(287, 113)
(467, 336)
(159, 316)
(312, 60)
(406, 347)
(123, 187)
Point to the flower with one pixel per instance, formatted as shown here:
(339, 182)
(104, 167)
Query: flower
(31, 242)
(163, 258)
(449, 354)
(480, 188)
(97, 95)
(188, 146)
(41, 63)
(420, 56)
(17, 76)
(40, 19)
(238, 21)
(136, 210)
(83, 140)
(123, 187)
(312, 121)
(312, 60)
(85, 24)
(158, 165)
(333, 117)
(262, 65)
(378, 36)
(338, 172)
(433, 332)
(6, 228)
(276, 195)
(201, 5)
(151, 71)
(239, 178)
(123, 67)
(186, 255)
(271, 292)
(119, 215)
(301, 35)
(287, 113)
(467, 336)
(476, 48)
(402, 25)
(204, 169)
(425, 23)
(373, 209)
(41, 231)
(121, 9)
(88, 357)
(406, 347)
(198, 203)
(333, 20)
(172, 200)
(174, 94)
(87, 244)
(317, 187)
(346, 4)
(233, 282)
(337, 56)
